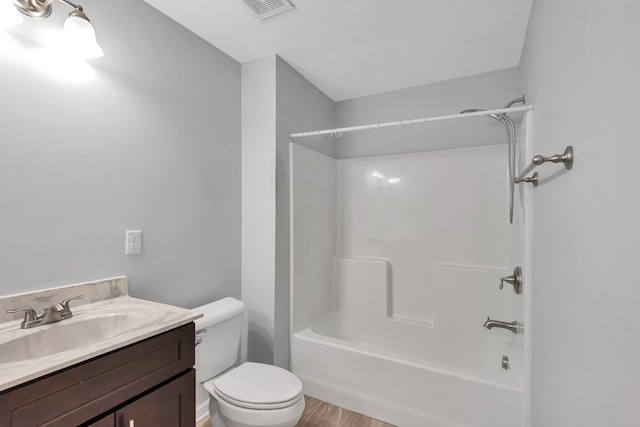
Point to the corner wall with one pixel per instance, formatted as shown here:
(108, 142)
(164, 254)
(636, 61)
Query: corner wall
(300, 106)
(580, 68)
(258, 205)
(276, 101)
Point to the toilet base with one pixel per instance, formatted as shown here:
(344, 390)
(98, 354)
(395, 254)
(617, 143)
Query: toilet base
(223, 414)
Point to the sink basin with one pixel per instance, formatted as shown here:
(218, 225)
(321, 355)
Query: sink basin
(85, 328)
(107, 319)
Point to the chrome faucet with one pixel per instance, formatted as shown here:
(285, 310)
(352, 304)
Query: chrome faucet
(51, 314)
(515, 326)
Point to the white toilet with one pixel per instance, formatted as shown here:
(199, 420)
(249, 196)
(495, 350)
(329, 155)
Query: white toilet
(253, 394)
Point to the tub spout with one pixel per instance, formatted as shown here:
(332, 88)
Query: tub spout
(515, 326)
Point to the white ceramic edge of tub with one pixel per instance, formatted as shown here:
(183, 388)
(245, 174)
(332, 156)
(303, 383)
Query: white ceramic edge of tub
(309, 335)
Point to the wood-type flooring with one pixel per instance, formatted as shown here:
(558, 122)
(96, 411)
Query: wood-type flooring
(322, 414)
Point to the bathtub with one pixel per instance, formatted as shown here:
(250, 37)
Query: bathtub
(393, 274)
(410, 375)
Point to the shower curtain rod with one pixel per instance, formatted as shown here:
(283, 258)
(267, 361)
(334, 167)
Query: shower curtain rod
(339, 131)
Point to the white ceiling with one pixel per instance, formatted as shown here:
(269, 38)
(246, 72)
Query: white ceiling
(354, 48)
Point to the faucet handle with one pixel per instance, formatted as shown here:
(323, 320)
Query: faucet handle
(515, 280)
(29, 313)
(65, 303)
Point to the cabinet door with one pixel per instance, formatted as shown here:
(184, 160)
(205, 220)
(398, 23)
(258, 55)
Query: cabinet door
(74, 395)
(108, 421)
(172, 405)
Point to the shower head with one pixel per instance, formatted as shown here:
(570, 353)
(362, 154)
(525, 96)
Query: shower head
(475, 110)
(511, 148)
(499, 117)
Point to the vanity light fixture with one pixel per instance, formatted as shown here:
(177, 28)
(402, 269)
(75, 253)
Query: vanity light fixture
(78, 33)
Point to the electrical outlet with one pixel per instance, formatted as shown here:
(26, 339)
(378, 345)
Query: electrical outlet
(134, 242)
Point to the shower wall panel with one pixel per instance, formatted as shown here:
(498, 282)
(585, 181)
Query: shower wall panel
(313, 217)
(419, 210)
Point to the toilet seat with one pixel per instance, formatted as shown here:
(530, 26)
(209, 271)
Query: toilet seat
(258, 386)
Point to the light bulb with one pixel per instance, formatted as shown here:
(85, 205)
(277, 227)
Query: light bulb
(80, 37)
(9, 15)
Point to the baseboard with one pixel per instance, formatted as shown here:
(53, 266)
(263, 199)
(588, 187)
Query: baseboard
(203, 422)
(202, 410)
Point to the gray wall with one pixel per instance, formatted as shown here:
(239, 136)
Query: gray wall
(489, 91)
(148, 137)
(258, 202)
(580, 68)
(277, 100)
(299, 106)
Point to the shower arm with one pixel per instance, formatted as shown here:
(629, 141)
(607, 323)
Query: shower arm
(515, 101)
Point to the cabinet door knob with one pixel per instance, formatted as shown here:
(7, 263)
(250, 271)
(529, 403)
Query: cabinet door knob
(132, 423)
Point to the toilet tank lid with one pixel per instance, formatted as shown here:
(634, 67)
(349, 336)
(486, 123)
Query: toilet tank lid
(218, 311)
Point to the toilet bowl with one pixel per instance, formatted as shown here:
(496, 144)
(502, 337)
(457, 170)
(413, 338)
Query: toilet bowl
(256, 394)
(250, 395)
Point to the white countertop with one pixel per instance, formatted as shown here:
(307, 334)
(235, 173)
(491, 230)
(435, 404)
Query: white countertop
(100, 296)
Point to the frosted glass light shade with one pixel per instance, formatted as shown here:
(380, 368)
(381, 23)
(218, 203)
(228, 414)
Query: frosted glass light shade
(9, 15)
(80, 38)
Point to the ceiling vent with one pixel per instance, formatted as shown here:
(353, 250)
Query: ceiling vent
(268, 8)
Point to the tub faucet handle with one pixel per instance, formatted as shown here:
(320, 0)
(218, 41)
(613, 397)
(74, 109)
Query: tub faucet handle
(515, 280)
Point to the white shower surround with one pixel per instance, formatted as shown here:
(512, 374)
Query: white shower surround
(395, 266)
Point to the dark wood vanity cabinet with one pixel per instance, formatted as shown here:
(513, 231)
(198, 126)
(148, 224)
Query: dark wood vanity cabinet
(169, 405)
(147, 384)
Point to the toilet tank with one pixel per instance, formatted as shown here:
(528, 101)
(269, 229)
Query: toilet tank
(220, 328)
